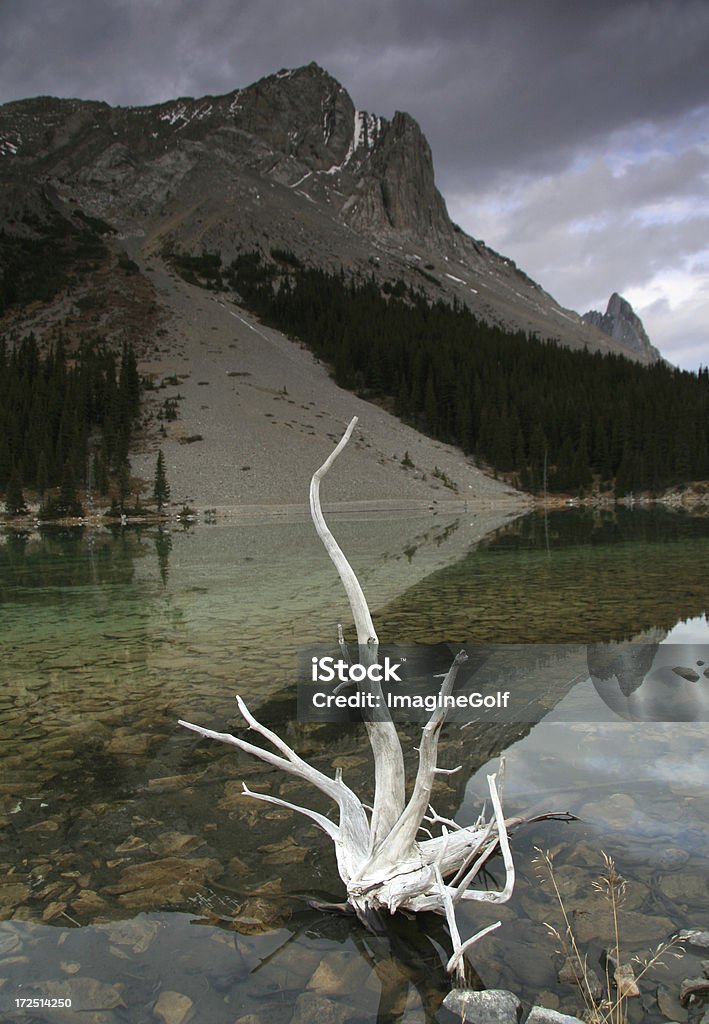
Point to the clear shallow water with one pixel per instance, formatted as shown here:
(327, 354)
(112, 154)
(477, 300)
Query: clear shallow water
(107, 641)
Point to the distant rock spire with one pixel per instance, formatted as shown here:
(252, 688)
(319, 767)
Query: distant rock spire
(622, 323)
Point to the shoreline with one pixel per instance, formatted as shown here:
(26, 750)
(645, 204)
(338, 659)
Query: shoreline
(297, 512)
(682, 502)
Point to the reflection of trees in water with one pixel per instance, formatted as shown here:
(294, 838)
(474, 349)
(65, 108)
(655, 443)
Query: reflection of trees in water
(64, 557)
(605, 575)
(583, 526)
(163, 547)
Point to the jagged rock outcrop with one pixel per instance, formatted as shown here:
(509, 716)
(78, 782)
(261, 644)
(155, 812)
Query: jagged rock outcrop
(622, 323)
(286, 163)
(397, 193)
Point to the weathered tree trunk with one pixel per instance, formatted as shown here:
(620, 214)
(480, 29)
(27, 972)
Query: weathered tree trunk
(382, 858)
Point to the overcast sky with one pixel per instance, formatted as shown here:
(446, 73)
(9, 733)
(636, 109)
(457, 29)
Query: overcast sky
(570, 135)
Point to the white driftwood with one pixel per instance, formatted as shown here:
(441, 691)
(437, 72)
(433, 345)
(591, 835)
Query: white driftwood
(381, 858)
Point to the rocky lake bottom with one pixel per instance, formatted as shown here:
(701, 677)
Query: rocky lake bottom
(139, 883)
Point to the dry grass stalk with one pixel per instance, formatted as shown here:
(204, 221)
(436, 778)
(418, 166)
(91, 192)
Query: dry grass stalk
(621, 982)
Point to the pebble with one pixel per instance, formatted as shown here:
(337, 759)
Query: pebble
(131, 844)
(625, 983)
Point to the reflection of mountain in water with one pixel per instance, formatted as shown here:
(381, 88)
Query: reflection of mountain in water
(653, 682)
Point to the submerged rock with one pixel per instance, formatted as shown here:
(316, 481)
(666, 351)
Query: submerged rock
(693, 989)
(571, 973)
(616, 811)
(170, 880)
(139, 933)
(86, 993)
(695, 937)
(170, 844)
(338, 974)
(310, 1006)
(286, 851)
(13, 893)
(10, 941)
(669, 1004)
(638, 928)
(173, 1007)
(131, 744)
(685, 888)
(88, 903)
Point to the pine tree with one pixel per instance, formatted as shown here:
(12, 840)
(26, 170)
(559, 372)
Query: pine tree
(161, 488)
(15, 504)
(42, 475)
(68, 502)
(123, 485)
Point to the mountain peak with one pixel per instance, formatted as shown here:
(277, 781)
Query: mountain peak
(286, 164)
(621, 322)
(620, 308)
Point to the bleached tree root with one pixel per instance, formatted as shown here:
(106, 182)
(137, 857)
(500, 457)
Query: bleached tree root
(387, 856)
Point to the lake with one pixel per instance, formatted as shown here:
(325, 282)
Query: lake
(137, 880)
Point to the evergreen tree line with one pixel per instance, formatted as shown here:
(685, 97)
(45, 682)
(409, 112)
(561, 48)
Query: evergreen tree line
(65, 419)
(47, 255)
(530, 409)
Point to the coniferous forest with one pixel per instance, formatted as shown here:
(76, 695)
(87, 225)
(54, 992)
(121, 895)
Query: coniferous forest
(527, 408)
(65, 420)
(537, 412)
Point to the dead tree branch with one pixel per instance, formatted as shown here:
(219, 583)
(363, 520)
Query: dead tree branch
(381, 861)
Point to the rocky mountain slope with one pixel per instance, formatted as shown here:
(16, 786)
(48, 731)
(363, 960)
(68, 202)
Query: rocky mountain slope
(621, 322)
(287, 163)
(257, 414)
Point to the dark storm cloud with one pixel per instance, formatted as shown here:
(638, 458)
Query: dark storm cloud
(526, 86)
(493, 84)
